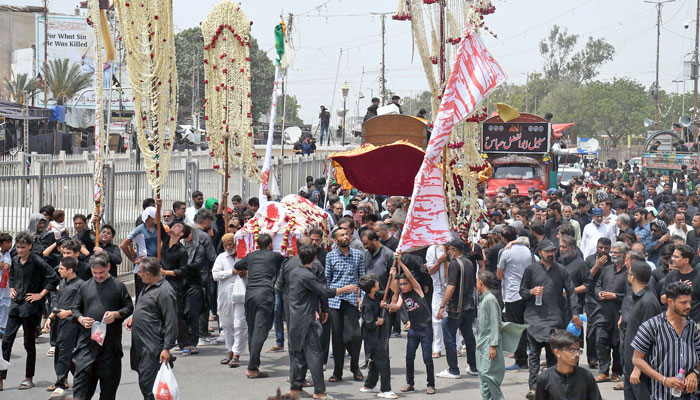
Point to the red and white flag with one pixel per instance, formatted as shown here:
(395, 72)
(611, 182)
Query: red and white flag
(475, 73)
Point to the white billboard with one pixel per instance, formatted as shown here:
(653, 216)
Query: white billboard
(72, 38)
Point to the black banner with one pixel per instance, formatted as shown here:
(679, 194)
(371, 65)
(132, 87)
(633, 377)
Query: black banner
(512, 137)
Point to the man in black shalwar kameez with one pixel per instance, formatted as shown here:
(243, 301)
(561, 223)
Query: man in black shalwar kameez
(305, 292)
(102, 298)
(154, 326)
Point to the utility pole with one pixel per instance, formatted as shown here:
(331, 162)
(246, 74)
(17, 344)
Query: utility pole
(659, 5)
(694, 71)
(383, 70)
(46, 52)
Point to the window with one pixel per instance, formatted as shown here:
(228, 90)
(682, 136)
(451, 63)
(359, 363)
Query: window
(515, 172)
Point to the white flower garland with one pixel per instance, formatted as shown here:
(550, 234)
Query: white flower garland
(147, 33)
(94, 21)
(228, 103)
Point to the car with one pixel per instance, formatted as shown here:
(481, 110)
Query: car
(566, 173)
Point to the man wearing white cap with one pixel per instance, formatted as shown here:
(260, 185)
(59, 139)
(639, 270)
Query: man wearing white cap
(141, 242)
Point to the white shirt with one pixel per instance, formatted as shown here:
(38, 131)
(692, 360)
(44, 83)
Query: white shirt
(611, 223)
(5, 258)
(190, 213)
(222, 272)
(435, 251)
(674, 230)
(513, 262)
(590, 236)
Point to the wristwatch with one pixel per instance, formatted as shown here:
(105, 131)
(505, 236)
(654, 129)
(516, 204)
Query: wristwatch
(697, 373)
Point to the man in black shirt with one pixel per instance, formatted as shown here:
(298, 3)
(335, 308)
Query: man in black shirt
(154, 325)
(551, 227)
(567, 381)
(385, 237)
(460, 314)
(496, 244)
(686, 273)
(646, 305)
(578, 271)
(610, 290)
(595, 262)
(102, 298)
(30, 280)
(61, 321)
(263, 267)
(543, 286)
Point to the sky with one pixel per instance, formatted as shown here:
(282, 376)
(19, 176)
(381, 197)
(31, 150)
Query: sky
(322, 27)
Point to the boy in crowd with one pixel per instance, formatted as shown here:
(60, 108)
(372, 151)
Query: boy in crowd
(374, 336)
(567, 381)
(61, 321)
(421, 328)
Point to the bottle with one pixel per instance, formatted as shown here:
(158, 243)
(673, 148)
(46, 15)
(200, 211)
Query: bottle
(681, 378)
(538, 299)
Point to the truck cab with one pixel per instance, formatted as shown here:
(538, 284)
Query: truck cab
(522, 171)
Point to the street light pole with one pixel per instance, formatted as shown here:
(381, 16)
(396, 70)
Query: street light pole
(694, 71)
(345, 90)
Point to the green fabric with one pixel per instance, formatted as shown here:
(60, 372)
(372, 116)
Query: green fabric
(209, 204)
(491, 373)
(279, 42)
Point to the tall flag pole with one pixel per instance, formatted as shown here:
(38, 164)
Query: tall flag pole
(474, 74)
(280, 31)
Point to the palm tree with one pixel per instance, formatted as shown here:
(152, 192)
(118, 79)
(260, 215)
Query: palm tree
(21, 88)
(65, 80)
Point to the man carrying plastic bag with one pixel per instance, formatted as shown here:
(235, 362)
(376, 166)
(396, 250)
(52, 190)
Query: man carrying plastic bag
(154, 332)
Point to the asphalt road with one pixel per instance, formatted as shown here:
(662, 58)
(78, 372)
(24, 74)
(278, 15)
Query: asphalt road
(202, 377)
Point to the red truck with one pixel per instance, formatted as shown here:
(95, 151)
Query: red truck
(519, 152)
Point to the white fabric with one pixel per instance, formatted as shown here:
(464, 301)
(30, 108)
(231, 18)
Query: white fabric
(231, 315)
(434, 253)
(190, 212)
(678, 231)
(513, 262)
(611, 223)
(590, 236)
(5, 292)
(148, 212)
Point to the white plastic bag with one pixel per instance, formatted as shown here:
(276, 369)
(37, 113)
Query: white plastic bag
(165, 386)
(238, 290)
(98, 332)
(4, 365)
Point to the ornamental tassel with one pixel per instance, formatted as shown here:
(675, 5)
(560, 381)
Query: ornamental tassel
(110, 51)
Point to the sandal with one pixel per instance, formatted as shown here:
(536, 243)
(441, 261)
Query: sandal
(407, 388)
(334, 379)
(185, 352)
(430, 390)
(51, 388)
(194, 350)
(226, 360)
(437, 355)
(357, 376)
(25, 385)
(235, 363)
(260, 374)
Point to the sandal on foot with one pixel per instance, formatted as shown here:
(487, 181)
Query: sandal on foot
(358, 376)
(234, 363)
(25, 385)
(186, 352)
(51, 388)
(226, 360)
(194, 350)
(334, 379)
(407, 388)
(430, 390)
(437, 355)
(260, 374)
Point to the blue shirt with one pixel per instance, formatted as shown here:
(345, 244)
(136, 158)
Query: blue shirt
(145, 242)
(644, 233)
(342, 270)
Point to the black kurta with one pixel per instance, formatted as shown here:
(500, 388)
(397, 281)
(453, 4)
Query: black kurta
(33, 276)
(67, 291)
(578, 272)
(93, 300)
(263, 267)
(555, 308)
(305, 291)
(282, 284)
(646, 306)
(579, 385)
(154, 325)
(610, 280)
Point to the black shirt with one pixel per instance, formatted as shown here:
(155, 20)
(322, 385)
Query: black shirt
(492, 263)
(392, 243)
(33, 276)
(305, 292)
(611, 280)
(694, 278)
(154, 323)
(578, 272)
(417, 308)
(646, 306)
(455, 278)
(371, 311)
(579, 385)
(263, 267)
(67, 290)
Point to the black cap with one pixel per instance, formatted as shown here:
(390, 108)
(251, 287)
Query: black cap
(546, 244)
(457, 244)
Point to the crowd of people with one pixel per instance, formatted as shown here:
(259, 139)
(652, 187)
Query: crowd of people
(605, 265)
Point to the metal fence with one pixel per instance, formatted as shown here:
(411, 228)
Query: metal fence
(29, 181)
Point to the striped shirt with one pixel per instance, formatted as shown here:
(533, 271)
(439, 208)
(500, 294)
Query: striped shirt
(665, 351)
(342, 270)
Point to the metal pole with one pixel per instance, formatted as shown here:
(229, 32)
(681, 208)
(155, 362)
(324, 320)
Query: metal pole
(694, 70)
(46, 53)
(345, 98)
(659, 6)
(383, 60)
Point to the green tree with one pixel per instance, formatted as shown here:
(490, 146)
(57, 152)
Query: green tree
(64, 80)
(291, 117)
(21, 88)
(412, 104)
(562, 101)
(616, 109)
(189, 51)
(562, 63)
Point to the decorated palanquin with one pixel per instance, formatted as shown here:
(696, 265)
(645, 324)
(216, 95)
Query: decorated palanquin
(285, 221)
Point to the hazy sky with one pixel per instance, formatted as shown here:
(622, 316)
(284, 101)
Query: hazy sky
(323, 27)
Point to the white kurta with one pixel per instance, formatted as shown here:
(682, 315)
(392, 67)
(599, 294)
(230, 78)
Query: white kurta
(590, 236)
(231, 315)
